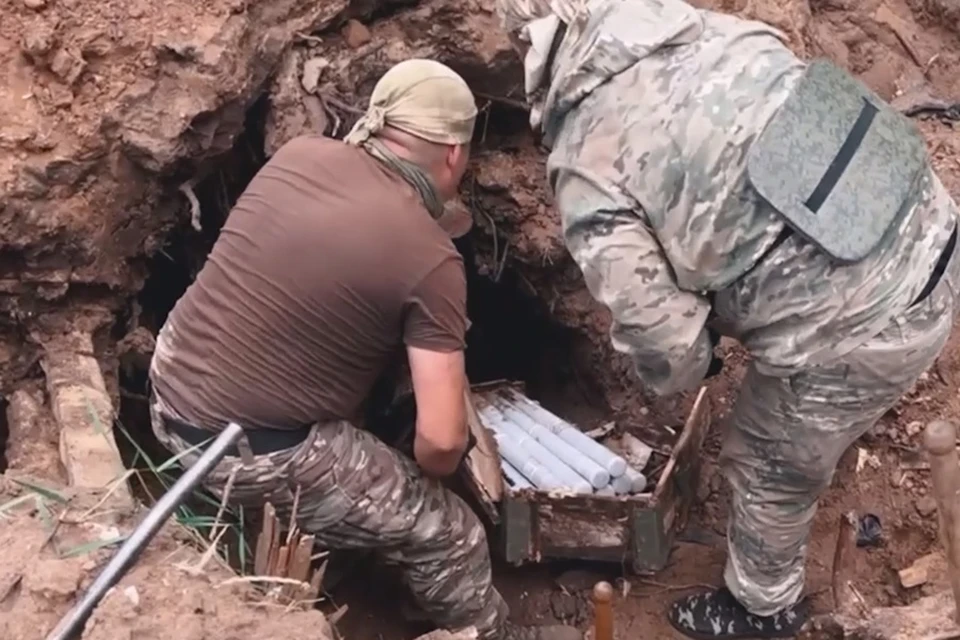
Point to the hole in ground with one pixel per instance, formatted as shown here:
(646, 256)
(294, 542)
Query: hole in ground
(512, 336)
(171, 272)
(175, 267)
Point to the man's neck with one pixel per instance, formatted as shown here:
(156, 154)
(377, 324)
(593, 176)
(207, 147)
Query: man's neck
(405, 154)
(397, 148)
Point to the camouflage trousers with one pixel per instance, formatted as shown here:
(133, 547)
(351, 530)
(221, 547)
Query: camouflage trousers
(787, 435)
(358, 493)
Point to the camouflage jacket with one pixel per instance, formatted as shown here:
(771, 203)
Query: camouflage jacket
(649, 128)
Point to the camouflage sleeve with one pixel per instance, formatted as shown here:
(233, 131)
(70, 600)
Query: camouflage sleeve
(658, 325)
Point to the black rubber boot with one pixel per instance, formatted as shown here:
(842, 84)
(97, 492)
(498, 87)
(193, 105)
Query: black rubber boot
(716, 615)
(548, 632)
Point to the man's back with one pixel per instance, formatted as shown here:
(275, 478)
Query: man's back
(667, 141)
(325, 267)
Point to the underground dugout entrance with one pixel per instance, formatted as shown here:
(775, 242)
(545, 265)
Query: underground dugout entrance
(511, 337)
(511, 334)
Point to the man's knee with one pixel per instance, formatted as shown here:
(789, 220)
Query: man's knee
(446, 520)
(782, 478)
(779, 446)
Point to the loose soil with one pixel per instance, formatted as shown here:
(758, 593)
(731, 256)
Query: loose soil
(108, 108)
(164, 596)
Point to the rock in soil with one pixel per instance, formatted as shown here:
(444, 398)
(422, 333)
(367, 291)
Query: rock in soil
(929, 568)
(926, 506)
(356, 34)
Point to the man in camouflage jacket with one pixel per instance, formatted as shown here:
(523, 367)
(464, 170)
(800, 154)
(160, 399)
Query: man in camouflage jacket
(651, 109)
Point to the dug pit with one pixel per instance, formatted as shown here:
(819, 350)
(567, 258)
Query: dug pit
(110, 109)
(512, 335)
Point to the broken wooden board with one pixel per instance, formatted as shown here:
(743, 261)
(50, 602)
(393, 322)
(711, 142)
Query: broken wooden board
(483, 462)
(288, 558)
(905, 33)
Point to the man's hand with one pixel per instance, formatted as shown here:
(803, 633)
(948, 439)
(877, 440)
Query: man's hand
(438, 386)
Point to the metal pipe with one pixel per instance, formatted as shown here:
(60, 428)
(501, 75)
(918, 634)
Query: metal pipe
(632, 481)
(570, 478)
(514, 476)
(600, 454)
(587, 468)
(940, 441)
(127, 554)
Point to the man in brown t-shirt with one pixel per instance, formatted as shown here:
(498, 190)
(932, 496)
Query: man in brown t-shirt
(331, 261)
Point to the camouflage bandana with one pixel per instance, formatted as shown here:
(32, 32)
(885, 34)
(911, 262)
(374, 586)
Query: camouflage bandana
(425, 99)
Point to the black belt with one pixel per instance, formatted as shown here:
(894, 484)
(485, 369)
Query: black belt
(932, 281)
(938, 269)
(262, 441)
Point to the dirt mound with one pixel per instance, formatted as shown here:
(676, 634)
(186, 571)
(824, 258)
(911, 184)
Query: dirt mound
(42, 573)
(106, 108)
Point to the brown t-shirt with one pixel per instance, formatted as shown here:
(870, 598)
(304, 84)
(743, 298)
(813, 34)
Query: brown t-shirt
(326, 266)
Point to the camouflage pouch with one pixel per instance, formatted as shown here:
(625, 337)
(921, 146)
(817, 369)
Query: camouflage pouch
(838, 163)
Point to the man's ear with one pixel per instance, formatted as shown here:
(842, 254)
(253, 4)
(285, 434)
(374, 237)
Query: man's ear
(458, 155)
(454, 154)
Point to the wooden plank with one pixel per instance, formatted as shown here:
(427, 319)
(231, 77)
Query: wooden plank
(265, 542)
(300, 561)
(676, 489)
(280, 567)
(694, 431)
(651, 544)
(904, 32)
(517, 531)
(316, 582)
(84, 414)
(483, 461)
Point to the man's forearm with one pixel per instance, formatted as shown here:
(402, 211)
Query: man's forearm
(656, 323)
(435, 461)
(438, 385)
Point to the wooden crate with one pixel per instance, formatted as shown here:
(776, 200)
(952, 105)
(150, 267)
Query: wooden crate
(637, 531)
